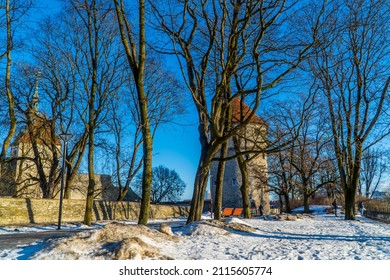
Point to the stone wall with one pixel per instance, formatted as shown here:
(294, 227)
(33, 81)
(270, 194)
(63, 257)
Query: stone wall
(21, 211)
(104, 188)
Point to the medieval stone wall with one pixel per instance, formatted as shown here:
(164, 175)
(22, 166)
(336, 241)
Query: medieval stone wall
(20, 211)
(7, 178)
(104, 188)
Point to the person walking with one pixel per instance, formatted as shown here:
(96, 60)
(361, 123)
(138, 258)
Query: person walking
(261, 211)
(361, 208)
(334, 204)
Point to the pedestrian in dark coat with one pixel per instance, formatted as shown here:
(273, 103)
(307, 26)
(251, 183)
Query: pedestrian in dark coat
(361, 208)
(261, 211)
(334, 204)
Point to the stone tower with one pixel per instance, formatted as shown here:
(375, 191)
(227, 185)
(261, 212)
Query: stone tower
(251, 140)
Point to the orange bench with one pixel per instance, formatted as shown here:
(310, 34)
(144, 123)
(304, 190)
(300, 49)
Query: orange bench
(227, 212)
(238, 211)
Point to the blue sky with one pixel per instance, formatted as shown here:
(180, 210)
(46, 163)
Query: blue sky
(178, 148)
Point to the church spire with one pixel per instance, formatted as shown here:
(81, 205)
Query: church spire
(34, 104)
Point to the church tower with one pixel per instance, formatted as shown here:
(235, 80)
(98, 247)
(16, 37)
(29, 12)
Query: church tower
(251, 139)
(34, 154)
(36, 135)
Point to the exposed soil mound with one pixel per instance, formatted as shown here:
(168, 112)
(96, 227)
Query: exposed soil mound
(215, 227)
(204, 228)
(114, 241)
(240, 227)
(286, 217)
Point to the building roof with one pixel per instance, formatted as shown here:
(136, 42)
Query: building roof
(241, 111)
(42, 131)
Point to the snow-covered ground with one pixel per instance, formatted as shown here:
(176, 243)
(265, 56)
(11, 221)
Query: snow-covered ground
(319, 236)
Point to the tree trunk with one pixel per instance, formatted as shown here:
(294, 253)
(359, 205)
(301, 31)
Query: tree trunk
(94, 53)
(306, 205)
(200, 186)
(281, 203)
(245, 191)
(350, 199)
(287, 202)
(91, 161)
(69, 182)
(10, 97)
(219, 182)
(145, 121)
(122, 194)
(91, 176)
(147, 166)
(242, 164)
(137, 65)
(72, 170)
(351, 190)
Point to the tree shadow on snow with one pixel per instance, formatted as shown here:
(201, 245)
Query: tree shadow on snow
(30, 250)
(281, 235)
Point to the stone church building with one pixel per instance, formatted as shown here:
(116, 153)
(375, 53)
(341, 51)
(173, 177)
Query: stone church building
(19, 174)
(252, 140)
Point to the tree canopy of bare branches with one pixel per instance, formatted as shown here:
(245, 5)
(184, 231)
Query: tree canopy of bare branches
(353, 74)
(228, 49)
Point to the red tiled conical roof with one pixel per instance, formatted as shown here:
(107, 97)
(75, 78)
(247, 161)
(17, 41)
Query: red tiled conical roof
(240, 112)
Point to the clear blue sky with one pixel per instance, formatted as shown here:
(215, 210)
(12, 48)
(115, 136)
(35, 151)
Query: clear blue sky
(175, 146)
(178, 148)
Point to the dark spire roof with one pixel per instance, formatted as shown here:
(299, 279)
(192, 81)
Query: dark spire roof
(34, 103)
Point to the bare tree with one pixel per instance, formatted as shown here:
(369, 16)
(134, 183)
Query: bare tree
(282, 178)
(234, 38)
(373, 168)
(165, 104)
(136, 56)
(311, 154)
(127, 164)
(289, 126)
(167, 185)
(95, 60)
(56, 56)
(351, 74)
(10, 14)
